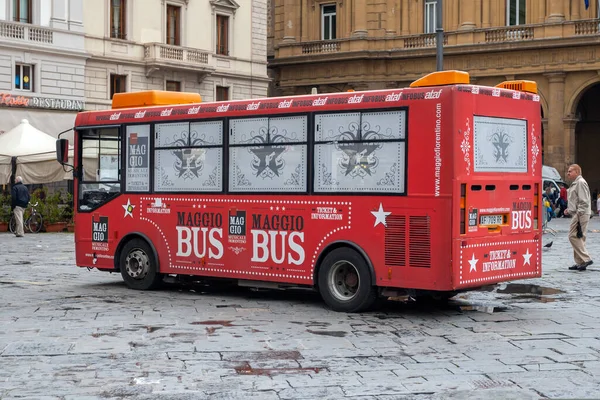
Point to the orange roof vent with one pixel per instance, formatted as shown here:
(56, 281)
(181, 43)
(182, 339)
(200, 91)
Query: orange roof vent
(441, 78)
(153, 98)
(520, 85)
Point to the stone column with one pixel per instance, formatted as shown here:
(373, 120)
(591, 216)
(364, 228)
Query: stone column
(555, 11)
(467, 14)
(404, 11)
(291, 20)
(76, 15)
(392, 18)
(59, 15)
(575, 10)
(360, 18)
(485, 13)
(569, 141)
(554, 141)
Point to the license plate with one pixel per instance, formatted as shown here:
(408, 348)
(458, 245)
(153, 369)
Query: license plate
(490, 220)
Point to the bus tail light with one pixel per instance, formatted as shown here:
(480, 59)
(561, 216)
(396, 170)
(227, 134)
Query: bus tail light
(463, 207)
(536, 205)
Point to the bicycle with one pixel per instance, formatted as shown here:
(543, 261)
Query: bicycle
(33, 223)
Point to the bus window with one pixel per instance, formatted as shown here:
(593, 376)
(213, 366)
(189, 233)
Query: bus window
(100, 158)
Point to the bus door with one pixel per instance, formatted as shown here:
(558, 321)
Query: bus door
(98, 182)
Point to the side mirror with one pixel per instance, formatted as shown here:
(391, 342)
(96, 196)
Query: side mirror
(62, 151)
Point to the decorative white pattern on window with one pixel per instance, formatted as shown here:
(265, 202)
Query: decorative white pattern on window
(189, 170)
(197, 165)
(268, 154)
(360, 152)
(499, 145)
(172, 135)
(341, 168)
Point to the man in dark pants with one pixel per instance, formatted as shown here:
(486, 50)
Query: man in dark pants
(19, 202)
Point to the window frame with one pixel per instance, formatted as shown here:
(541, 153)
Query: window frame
(122, 33)
(19, 67)
(222, 89)
(517, 10)
(308, 152)
(16, 17)
(430, 7)
(113, 78)
(332, 16)
(178, 24)
(172, 81)
(220, 49)
(314, 171)
(81, 136)
(223, 146)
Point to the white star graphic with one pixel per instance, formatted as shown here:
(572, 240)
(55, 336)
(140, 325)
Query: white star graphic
(128, 209)
(380, 215)
(527, 258)
(473, 261)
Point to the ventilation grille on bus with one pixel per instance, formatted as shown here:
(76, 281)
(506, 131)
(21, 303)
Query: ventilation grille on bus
(395, 241)
(420, 242)
(418, 247)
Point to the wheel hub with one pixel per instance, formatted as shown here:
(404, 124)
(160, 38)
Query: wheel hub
(344, 280)
(137, 264)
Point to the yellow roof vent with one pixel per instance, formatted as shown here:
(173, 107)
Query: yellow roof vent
(441, 78)
(153, 98)
(520, 85)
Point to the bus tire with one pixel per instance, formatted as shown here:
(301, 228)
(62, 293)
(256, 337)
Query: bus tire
(138, 265)
(345, 281)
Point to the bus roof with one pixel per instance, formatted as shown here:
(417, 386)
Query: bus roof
(140, 106)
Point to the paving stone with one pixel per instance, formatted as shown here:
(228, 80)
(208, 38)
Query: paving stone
(85, 335)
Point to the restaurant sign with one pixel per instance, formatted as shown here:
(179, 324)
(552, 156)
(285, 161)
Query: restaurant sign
(9, 100)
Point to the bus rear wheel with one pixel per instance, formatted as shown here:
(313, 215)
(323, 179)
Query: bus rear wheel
(139, 268)
(345, 281)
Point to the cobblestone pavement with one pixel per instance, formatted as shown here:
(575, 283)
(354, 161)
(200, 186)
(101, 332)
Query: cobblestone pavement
(66, 333)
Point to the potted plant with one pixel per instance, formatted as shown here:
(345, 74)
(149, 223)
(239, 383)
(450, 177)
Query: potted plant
(67, 212)
(5, 211)
(52, 213)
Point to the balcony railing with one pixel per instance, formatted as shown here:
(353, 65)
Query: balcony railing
(160, 55)
(589, 27)
(167, 53)
(513, 35)
(509, 34)
(422, 41)
(16, 31)
(321, 47)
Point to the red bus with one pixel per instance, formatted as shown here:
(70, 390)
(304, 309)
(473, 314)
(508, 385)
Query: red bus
(426, 190)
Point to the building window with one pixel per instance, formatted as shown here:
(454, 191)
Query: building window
(222, 93)
(173, 86)
(24, 77)
(222, 35)
(328, 22)
(22, 11)
(118, 84)
(173, 25)
(515, 12)
(117, 19)
(430, 17)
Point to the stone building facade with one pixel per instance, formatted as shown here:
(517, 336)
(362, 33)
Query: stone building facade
(42, 63)
(336, 45)
(216, 48)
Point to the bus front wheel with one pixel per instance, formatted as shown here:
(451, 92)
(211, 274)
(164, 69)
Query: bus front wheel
(139, 268)
(345, 282)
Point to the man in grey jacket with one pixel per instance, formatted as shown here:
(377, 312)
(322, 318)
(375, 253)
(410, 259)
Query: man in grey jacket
(580, 210)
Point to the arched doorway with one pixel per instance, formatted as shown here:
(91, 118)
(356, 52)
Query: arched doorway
(587, 138)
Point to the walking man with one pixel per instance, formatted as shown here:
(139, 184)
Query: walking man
(580, 210)
(19, 201)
